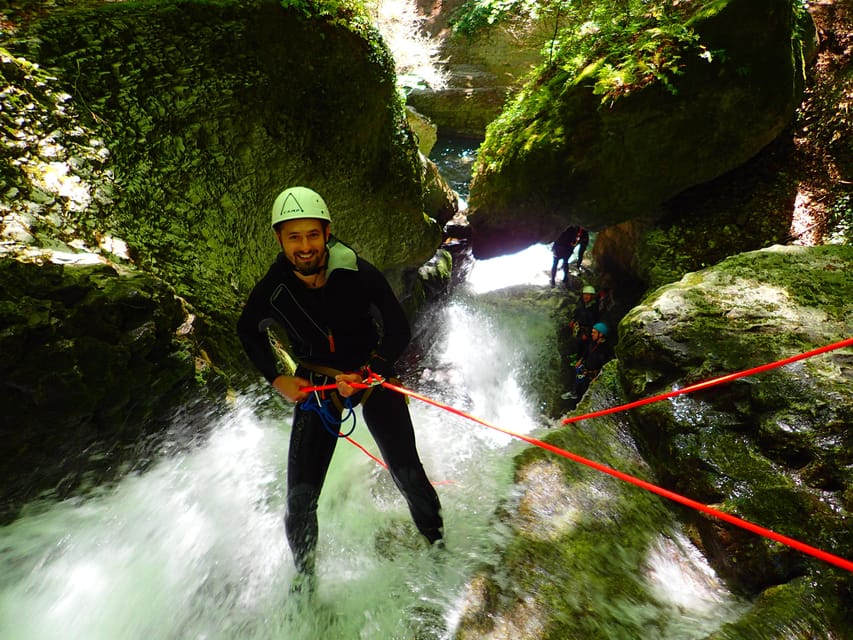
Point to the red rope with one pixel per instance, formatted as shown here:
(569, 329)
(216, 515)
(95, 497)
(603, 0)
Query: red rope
(665, 493)
(376, 459)
(767, 533)
(381, 462)
(713, 382)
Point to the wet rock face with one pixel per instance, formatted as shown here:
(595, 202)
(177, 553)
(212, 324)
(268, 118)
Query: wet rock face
(773, 448)
(466, 107)
(91, 359)
(484, 68)
(567, 158)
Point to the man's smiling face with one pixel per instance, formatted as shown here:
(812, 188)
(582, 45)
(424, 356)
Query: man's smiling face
(304, 244)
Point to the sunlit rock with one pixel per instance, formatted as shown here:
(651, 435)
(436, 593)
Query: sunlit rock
(485, 65)
(559, 155)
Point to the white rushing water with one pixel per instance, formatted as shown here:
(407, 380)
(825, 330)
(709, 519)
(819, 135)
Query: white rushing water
(194, 546)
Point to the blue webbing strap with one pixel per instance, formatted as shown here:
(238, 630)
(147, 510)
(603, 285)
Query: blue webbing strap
(332, 424)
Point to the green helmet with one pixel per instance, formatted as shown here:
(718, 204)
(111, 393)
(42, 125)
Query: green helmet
(299, 202)
(588, 289)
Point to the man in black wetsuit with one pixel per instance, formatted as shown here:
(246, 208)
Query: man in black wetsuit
(564, 247)
(343, 322)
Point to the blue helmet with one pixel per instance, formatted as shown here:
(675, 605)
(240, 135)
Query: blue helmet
(601, 328)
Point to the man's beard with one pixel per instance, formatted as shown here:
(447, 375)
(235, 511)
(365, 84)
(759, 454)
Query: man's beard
(311, 268)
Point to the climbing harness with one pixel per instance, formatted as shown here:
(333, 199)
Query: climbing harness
(321, 404)
(665, 493)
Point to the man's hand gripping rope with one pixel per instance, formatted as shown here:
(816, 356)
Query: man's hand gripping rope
(349, 383)
(346, 384)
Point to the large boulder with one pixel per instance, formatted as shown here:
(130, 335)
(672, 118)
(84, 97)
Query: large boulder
(94, 358)
(559, 155)
(773, 448)
(584, 555)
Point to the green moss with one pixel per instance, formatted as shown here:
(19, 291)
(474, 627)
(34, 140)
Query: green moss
(191, 176)
(763, 448)
(801, 608)
(476, 15)
(655, 135)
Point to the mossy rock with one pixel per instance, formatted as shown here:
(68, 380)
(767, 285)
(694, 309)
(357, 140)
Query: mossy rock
(583, 548)
(557, 155)
(101, 357)
(205, 111)
(774, 447)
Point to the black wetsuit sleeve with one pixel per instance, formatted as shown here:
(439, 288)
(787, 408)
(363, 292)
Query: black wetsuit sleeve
(251, 328)
(396, 332)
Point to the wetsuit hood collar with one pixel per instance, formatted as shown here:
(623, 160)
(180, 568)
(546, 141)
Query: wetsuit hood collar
(340, 256)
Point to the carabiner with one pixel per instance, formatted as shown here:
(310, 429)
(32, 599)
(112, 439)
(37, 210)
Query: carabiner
(373, 379)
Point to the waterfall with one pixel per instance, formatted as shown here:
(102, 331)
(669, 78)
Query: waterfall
(194, 546)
